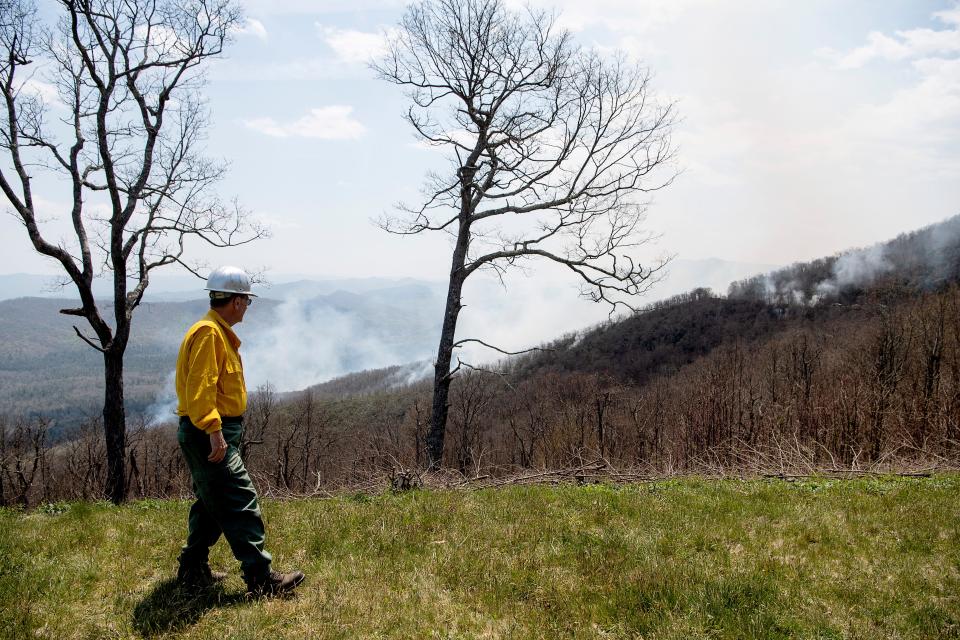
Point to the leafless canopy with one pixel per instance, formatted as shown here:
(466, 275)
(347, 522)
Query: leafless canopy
(107, 102)
(558, 148)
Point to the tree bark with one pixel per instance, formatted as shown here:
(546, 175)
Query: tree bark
(442, 374)
(114, 425)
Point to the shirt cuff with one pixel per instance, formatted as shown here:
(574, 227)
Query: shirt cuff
(210, 423)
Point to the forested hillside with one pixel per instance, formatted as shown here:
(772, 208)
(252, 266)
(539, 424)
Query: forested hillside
(47, 370)
(865, 373)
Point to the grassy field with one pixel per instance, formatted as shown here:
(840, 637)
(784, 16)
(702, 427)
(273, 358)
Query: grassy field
(873, 558)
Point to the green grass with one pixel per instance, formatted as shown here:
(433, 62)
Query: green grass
(877, 558)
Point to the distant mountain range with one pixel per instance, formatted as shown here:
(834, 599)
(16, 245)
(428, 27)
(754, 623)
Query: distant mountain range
(180, 288)
(682, 275)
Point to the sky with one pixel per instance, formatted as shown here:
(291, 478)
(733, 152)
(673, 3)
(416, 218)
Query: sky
(806, 128)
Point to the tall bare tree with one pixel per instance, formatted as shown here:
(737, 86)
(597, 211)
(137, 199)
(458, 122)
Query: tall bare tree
(121, 79)
(553, 152)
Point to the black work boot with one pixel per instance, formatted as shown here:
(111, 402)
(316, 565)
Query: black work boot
(199, 576)
(275, 583)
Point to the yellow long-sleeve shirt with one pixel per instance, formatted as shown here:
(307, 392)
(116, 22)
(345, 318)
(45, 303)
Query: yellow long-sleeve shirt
(210, 374)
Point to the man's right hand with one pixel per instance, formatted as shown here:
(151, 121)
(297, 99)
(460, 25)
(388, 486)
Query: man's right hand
(218, 447)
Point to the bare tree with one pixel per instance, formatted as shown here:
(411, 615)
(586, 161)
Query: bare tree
(260, 409)
(553, 152)
(22, 455)
(473, 394)
(887, 356)
(126, 146)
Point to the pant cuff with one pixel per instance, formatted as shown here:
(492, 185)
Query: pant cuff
(194, 559)
(256, 573)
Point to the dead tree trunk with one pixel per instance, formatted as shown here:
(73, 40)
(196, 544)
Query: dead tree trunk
(442, 373)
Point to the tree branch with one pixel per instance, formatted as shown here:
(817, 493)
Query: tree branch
(459, 343)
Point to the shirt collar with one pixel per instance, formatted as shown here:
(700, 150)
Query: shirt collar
(227, 329)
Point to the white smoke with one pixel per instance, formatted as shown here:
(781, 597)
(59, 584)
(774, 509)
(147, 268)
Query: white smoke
(164, 408)
(410, 374)
(925, 258)
(304, 342)
(857, 268)
(528, 310)
(307, 345)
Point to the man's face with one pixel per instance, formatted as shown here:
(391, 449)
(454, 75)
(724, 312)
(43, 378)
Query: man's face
(240, 306)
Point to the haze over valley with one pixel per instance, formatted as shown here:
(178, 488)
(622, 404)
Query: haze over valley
(299, 333)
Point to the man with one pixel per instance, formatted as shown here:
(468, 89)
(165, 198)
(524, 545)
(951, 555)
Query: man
(211, 399)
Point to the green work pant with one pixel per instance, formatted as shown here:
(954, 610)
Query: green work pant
(226, 502)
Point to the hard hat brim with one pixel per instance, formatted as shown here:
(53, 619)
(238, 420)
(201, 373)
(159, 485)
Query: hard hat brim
(239, 293)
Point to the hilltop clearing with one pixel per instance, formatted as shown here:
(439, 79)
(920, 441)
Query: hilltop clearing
(864, 559)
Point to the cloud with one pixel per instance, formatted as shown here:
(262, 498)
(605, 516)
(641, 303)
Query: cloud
(878, 46)
(252, 27)
(315, 8)
(353, 46)
(949, 16)
(44, 90)
(162, 41)
(639, 16)
(300, 69)
(905, 130)
(904, 44)
(325, 123)
(926, 112)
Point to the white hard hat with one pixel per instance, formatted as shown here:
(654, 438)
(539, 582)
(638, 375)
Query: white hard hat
(229, 280)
